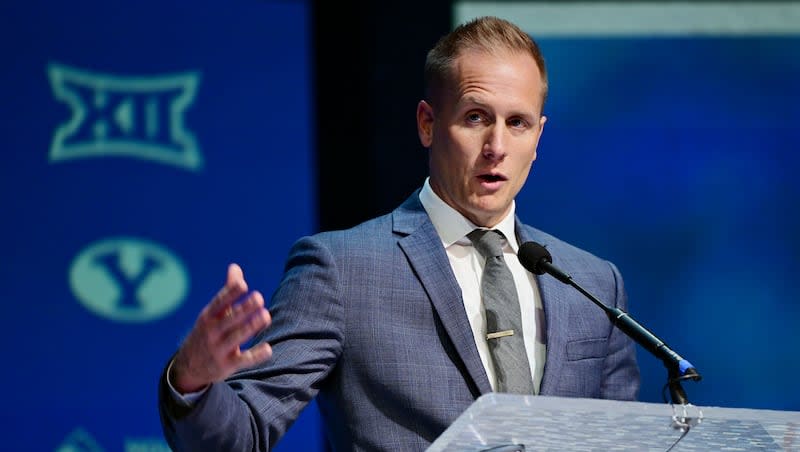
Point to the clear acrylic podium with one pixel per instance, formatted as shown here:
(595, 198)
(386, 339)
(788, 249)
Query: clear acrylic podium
(543, 423)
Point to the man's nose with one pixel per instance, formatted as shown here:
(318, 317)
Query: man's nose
(494, 145)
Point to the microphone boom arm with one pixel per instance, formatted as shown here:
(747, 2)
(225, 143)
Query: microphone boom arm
(537, 259)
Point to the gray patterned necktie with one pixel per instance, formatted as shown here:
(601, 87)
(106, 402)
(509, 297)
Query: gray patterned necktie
(503, 320)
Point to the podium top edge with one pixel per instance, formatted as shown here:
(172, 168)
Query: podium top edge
(630, 407)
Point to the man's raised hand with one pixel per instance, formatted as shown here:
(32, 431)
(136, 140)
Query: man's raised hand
(212, 350)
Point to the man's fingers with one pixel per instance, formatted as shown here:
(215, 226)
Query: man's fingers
(246, 328)
(235, 275)
(235, 287)
(235, 315)
(202, 359)
(255, 355)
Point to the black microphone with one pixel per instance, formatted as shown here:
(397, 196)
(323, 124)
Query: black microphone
(536, 259)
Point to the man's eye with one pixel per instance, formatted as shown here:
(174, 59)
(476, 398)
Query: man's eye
(517, 123)
(474, 117)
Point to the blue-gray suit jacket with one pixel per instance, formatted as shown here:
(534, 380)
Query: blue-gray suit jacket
(371, 322)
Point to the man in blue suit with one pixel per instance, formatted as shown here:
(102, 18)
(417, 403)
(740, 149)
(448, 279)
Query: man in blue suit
(384, 323)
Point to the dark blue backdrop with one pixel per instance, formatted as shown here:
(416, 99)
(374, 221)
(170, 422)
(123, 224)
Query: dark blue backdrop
(145, 146)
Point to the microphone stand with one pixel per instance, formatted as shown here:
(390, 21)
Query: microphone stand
(678, 369)
(676, 392)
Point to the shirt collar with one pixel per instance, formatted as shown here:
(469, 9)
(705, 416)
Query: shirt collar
(453, 227)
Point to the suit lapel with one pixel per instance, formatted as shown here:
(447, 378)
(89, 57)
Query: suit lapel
(556, 311)
(428, 258)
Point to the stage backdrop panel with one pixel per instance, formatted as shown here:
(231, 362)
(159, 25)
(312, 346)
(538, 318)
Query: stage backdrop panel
(671, 149)
(146, 145)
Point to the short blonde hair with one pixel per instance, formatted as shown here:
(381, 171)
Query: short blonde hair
(488, 34)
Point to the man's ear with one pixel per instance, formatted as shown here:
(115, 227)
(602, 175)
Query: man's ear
(542, 120)
(425, 123)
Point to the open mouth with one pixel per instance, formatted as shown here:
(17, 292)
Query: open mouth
(491, 177)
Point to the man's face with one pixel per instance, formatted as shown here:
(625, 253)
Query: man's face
(483, 132)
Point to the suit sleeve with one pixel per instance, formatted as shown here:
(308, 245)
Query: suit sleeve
(253, 408)
(621, 372)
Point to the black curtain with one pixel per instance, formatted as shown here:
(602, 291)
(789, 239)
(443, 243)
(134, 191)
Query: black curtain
(369, 59)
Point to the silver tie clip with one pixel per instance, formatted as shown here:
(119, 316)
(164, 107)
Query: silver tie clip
(500, 334)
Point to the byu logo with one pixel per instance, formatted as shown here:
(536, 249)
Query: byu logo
(128, 280)
(139, 117)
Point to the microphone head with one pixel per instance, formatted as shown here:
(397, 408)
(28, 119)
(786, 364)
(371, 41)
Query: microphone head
(531, 255)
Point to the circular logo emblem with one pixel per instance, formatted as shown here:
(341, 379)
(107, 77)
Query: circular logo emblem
(128, 279)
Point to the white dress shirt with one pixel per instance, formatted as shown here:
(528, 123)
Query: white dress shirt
(467, 265)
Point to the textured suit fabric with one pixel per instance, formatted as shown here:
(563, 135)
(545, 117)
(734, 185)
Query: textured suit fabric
(371, 322)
